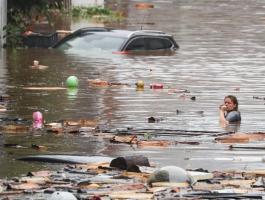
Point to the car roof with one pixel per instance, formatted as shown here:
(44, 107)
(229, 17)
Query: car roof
(120, 32)
(115, 33)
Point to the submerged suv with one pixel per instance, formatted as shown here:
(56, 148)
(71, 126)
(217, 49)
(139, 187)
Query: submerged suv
(118, 41)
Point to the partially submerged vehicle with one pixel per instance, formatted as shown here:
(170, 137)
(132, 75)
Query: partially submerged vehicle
(117, 41)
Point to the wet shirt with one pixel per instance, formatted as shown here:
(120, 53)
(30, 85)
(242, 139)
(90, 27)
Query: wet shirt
(233, 116)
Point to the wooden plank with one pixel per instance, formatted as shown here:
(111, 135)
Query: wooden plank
(238, 183)
(241, 138)
(258, 172)
(129, 195)
(44, 88)
(170, 184)
(200, 175)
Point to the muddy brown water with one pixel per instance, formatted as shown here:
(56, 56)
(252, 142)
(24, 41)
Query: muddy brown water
(221, 52)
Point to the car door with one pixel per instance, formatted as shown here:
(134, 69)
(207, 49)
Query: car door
(136, 44)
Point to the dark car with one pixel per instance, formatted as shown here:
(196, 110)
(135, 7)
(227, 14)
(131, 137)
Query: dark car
(114, 40)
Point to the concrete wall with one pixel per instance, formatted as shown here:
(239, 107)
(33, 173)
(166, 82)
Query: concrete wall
(3, 15)
(87, 2)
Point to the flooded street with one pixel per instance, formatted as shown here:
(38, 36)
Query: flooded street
(221, 52)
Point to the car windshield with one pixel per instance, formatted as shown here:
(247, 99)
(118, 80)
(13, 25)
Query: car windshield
(93, 41)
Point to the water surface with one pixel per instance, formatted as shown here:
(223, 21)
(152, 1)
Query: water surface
(221, 52)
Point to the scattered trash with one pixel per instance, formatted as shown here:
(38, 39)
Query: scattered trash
(98, 82)
(44, 173)
(4, 98)
(102, 83)
(15, 128)
(260, 182)
(261, 98)
(154, 120)
(139, 84)
(179, 111)
(154, 143)
(199, 176)
(128, 139)
(193, 98)
(156, 86)
(171, 174)
(188, 142)
(103, 180)
(16, 146)
(241, 137)
(39, 147)
(37, 120)
(130, 163)
(36, 65)
(144, 5)
(81, 122)
(2, 108)
(54, 127)
(60, 195)
(248, 146)
(44, 88)
(72, 82)
(172, 91)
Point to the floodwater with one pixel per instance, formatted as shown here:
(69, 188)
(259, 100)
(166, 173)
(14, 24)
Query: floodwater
(221, 52)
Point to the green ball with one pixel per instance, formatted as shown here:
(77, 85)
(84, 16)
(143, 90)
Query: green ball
(72, 82)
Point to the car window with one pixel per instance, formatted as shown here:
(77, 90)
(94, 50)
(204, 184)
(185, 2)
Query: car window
(93, 41)
(136, 44)
(158, 43)
(149, 44)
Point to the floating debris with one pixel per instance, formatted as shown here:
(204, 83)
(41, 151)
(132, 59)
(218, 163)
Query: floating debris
(140, 85)
(36, 65)
(44, 88)
(111, 179)
(154, 143)
(130, 163)
(144, 6)
(154, 120)
(128, 139)
(241, 137)
(156, 86)
(15, 128)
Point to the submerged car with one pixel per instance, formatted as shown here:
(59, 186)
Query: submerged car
(117, 41)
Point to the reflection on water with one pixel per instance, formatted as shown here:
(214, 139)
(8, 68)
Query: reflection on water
(221, 52)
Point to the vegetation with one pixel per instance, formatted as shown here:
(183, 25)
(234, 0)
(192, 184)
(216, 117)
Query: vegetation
(21, 15)
(96, 13)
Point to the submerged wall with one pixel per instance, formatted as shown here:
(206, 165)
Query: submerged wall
(3, 16)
